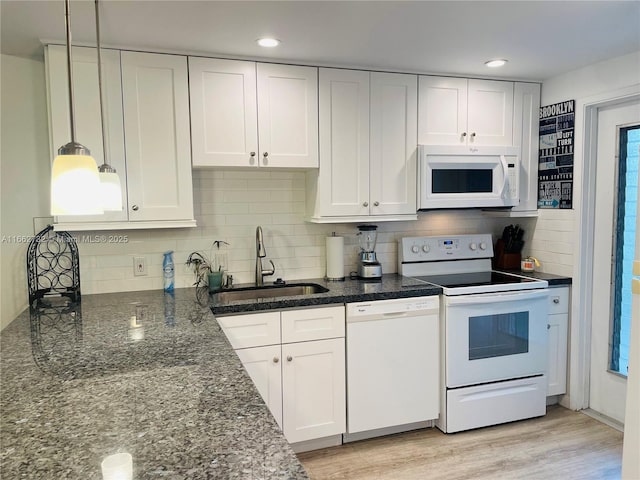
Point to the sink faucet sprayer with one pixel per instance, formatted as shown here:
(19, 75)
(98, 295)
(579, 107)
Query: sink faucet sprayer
(260, 254)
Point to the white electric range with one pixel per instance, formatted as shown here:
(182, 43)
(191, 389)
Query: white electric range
(494, 331)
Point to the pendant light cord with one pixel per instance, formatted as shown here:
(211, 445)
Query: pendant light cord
(102, 116)
(67, 22)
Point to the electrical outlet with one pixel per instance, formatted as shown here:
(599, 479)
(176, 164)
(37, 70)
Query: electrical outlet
(139, 266)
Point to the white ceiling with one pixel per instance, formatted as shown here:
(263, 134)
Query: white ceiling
(541, 39)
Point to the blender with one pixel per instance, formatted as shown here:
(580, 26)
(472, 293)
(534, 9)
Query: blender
(368, 265)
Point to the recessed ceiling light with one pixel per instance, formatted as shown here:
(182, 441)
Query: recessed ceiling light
(268, 42)
(495, 63)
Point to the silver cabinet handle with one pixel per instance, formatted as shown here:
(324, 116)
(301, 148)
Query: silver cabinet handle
(253, 154)
(265, 154)
(556, 300)
(473, 134)
(548, 326)
(276, 359)
(464, 134)
(252, 158)
(365, 204)
(376, 204)
(289, 358)
(135, 208)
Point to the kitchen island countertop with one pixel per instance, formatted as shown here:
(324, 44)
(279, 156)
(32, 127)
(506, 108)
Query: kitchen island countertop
(147, 373)
(151, 374)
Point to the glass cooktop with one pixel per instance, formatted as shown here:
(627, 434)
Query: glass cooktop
(474, 279)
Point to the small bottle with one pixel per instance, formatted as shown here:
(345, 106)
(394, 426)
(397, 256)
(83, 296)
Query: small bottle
(167, 267)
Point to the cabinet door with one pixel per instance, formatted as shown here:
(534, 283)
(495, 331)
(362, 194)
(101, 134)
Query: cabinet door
(263, 366)
(313, 388)
(393, 133)
(224, 123)
(344, 142)
(156, 125)
(288, 115)
(525, 136)
(87, 113)
(557, 369)
(490, 112)
(558, 329)
(442, 111)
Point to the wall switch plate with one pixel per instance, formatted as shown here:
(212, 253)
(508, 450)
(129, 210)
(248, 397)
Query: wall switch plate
(139, 266)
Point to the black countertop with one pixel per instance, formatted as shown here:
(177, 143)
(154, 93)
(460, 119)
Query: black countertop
(351, 290)
(553, 280)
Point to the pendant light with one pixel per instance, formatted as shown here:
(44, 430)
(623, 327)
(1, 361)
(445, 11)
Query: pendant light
(110, 187)
(74, 174)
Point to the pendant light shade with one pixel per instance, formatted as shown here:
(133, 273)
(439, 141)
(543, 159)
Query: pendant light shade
(74, 175)
(110, 189)
(110, 186)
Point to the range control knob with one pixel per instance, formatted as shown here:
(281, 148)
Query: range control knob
(425, 248)
(473, 246)
(483, 246)
(415, 249)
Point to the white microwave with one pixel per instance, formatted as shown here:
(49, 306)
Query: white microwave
(459, 177)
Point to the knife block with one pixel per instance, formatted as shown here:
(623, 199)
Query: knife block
(503, 260)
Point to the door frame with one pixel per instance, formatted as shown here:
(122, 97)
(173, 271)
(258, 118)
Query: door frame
(580, 343)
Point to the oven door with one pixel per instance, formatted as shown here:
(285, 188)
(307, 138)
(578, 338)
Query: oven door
(495, 336)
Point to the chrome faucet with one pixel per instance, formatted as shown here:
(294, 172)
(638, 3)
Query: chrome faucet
(260, 254)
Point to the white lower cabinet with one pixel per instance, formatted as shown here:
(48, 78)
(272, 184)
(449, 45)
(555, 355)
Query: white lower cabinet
(263, 366)
(302, 382)
(313, 389)
(558, 327)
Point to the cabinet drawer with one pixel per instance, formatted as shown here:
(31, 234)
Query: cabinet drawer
(253, 330)
(312, 324)
(558, 300)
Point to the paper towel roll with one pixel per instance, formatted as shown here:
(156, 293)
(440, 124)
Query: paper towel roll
(335, 258)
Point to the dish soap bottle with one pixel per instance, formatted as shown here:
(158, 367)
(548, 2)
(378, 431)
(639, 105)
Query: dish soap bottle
(169, 274)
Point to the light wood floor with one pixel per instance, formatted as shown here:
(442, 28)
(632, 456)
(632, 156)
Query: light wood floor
(562, 445)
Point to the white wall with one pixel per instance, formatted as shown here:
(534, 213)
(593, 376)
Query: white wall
(24, 172)
(229, 205)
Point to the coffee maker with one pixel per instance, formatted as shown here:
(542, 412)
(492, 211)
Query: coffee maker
(368, 265)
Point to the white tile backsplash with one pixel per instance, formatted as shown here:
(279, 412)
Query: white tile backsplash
(230, 204)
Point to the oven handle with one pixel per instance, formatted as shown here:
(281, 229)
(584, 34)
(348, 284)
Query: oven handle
(496, 297)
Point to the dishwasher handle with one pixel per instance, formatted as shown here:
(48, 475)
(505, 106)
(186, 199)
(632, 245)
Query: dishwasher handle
(371, 317)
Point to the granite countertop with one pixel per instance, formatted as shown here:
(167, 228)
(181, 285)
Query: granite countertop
(351, 290)
(83, 381)
(151, 374)
(553, 280)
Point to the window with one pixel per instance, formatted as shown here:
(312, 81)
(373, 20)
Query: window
(624, 246)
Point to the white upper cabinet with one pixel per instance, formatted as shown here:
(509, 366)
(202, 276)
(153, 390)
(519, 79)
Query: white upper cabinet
(393, 141)
(223, 112)
(344, 142)
(367, 148)
(147, 112)
(525, 134)
(465, 112)
(156, 122)
(87, 113)
(245, 114)
(288, 115)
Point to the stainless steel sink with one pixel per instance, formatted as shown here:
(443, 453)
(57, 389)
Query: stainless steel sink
(256, 293)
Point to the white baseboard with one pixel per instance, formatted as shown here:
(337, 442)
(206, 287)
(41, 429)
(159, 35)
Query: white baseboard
(354, 437)
(317, 444)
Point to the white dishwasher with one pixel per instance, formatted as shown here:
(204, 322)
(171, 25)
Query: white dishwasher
(392, 365)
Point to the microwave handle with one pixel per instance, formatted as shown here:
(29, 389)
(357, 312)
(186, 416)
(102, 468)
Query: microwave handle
(505, 173)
